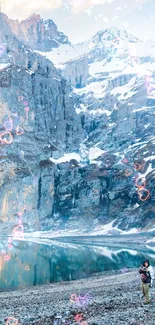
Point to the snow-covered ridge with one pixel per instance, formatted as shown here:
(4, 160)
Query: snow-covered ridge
(114, 33)
(65, 53)
(107, 229)
(114, 40)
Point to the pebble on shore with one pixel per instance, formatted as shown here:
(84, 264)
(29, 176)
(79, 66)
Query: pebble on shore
(115, 299)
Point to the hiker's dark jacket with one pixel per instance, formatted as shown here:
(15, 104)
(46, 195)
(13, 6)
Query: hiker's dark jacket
(145, 275)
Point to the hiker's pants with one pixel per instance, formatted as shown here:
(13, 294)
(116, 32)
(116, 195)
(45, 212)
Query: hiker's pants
(145, 290)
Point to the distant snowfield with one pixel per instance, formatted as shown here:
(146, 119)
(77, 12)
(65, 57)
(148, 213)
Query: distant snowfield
(107, 229)
(95, 88)
(124, 55)
(91, 154)
(59, 56)
(123, 49)
(66, 158)
(99, 111)
(125, 91)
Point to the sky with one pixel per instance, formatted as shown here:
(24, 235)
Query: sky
(81, 19)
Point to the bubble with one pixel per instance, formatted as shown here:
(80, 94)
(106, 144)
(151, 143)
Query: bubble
(125, 160)
(84, 299)
(19, 130)
(137, 166)
(18, 232)
(7, 258)
(128, 172)
(74, 298)
(27, 268)
(6, 137)
(150, 85)
(140, 182)
(20, 98)
(151, 90)
(144, 194)
(8, 125)
(78, 317)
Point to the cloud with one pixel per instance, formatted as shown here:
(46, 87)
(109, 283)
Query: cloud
(80, 5)
(21, 9)
(24, 8)
(44, 4)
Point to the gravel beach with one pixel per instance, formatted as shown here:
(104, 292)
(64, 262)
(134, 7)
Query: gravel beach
(113, 298)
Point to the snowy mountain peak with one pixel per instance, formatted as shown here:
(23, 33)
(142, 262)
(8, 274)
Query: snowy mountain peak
(113, 33)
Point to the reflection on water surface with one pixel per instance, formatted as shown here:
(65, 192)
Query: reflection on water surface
(26, 263)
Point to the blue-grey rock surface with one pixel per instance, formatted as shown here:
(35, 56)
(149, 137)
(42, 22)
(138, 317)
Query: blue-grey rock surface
(77, 145)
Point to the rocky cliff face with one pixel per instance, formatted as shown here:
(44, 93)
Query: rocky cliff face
(75, 153)
(38, 33)
(76, 72)
(37, 118)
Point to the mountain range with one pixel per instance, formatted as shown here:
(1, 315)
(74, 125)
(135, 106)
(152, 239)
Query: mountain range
(76, 130)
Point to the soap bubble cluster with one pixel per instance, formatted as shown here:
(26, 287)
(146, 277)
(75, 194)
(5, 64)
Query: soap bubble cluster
(140, 180)
(150, 85)
(7, 245)
(5, 256)
(12, 123)
(82, 300)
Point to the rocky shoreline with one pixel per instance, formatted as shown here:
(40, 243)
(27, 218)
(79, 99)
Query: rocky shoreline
(112, 298)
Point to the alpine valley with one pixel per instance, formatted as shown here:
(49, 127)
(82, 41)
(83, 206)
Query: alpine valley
(77, 136)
